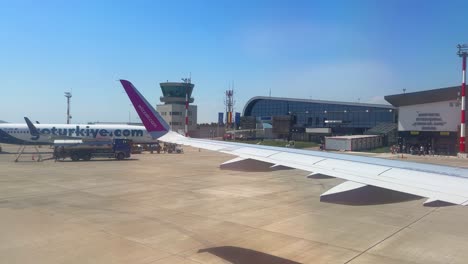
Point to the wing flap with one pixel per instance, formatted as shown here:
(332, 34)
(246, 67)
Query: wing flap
(343, 187)
(234, 160)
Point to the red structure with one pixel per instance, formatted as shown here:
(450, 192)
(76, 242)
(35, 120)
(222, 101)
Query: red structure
(187, 91)
(463, 52)
(186, 112)
(229, 102)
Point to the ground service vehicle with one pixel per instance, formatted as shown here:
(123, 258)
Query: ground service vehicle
(172, 148)
(85, 150)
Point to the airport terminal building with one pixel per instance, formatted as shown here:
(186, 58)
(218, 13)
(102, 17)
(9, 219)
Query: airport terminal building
(429, 118)
(302, 118)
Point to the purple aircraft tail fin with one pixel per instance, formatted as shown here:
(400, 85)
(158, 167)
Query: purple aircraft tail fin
(154, 123)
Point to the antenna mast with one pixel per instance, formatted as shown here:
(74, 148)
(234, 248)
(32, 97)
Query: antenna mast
(229, 103)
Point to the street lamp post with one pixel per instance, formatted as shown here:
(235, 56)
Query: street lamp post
(463, 52)
(68, 95)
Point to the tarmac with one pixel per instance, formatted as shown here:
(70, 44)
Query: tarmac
(182, 208)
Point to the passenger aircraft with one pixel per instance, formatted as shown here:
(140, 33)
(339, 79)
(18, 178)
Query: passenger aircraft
(21, 135)
(437, 183)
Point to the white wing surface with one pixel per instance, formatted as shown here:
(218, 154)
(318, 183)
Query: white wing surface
(443, 183)
(438, 183)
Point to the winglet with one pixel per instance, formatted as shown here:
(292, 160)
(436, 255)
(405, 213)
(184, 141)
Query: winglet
(154, 123)
(32, 129)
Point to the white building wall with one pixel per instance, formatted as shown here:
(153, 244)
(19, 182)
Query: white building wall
(174, 115)
(353, 143)
(337, 144)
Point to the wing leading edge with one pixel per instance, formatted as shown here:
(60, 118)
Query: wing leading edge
(438, 183)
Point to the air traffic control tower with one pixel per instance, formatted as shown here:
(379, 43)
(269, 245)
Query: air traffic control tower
(173, 109)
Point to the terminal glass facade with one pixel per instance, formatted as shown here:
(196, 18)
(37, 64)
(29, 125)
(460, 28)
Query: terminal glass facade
(321, 114)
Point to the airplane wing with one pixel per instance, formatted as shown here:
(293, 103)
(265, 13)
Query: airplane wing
(437, 183)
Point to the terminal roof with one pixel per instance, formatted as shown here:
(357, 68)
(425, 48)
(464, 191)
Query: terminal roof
(424, 97)
(248, 106)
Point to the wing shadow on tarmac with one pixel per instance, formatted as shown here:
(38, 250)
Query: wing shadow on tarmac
(238, 255)
(368, 195)
(251, 165)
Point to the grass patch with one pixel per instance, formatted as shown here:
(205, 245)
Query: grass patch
(280, 143)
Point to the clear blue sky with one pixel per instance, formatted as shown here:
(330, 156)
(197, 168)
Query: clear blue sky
(331, 50)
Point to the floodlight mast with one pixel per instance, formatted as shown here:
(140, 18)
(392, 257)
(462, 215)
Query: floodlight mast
(463, 52)
(68, 95)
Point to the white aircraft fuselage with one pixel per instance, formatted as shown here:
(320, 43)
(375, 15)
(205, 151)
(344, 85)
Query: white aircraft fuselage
(19, 133)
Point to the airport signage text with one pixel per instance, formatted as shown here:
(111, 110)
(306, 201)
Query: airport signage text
(90, 132)
(438, 116)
